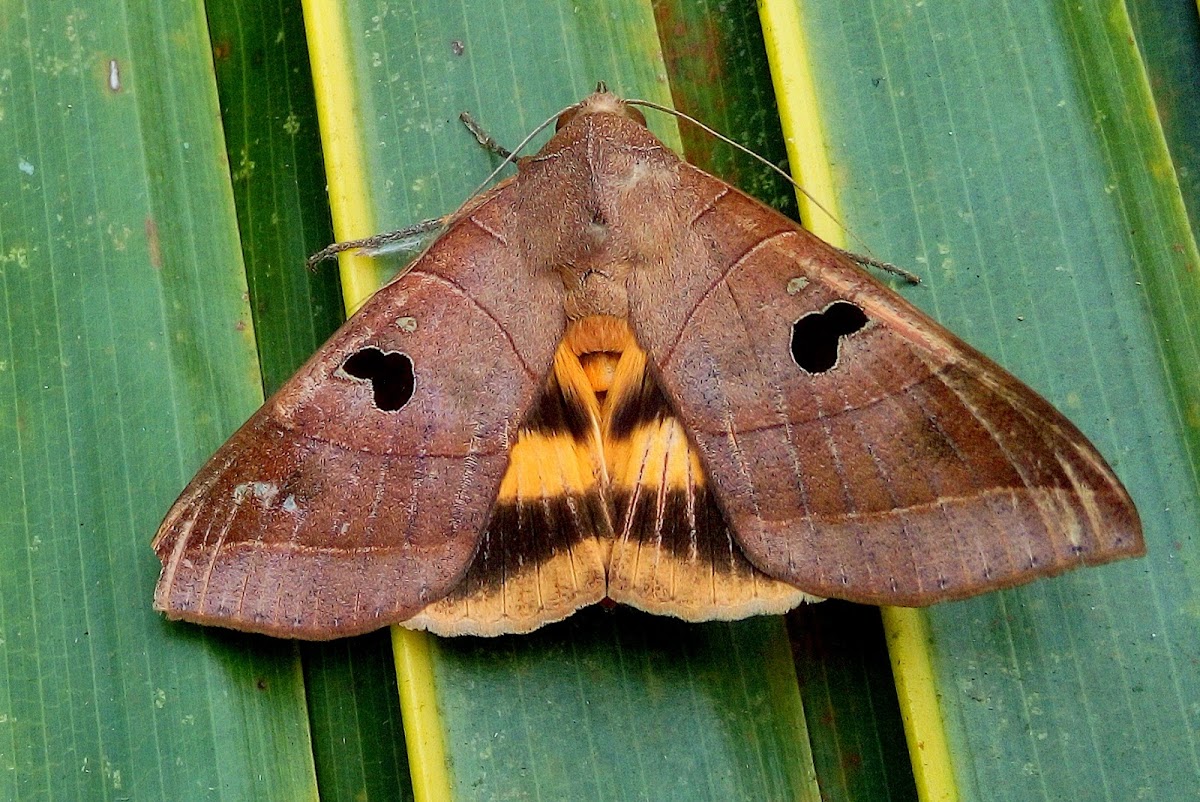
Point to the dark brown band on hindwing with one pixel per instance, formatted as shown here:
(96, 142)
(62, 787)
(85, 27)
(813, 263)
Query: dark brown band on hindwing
(559, 411)
(668, 502)
(526, 533)
(555, 542)
(634, 405)
(685, 523)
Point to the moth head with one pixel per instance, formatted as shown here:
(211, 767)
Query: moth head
(600, 102)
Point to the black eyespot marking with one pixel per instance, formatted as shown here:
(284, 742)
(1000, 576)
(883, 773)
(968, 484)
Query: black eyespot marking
(815, 336)
(391, 376)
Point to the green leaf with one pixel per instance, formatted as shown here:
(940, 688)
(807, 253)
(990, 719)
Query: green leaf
(718, 71)
(1168, 36)
(270, 121)
(850, 703)
(126, 358)
(625, 705)
(358, 740)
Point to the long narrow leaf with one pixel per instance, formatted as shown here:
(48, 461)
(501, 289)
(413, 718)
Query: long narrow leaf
(127, 356)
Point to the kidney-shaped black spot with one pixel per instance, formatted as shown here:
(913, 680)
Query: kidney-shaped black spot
(390, 373)
(815, 336)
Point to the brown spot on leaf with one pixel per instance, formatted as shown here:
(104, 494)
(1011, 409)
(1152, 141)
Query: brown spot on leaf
(152, 244)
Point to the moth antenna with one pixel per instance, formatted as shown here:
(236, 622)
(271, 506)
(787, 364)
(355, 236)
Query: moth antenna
(912, 278)
(871, 261)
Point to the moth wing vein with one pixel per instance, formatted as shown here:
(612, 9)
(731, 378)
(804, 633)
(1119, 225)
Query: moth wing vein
(462, 292)
(669, 349)
(780, 410)
(708, 206)
(887, 481)
(1031, 490)
(960, 455)
(1087, 498)
(485, 228)
(470, 462)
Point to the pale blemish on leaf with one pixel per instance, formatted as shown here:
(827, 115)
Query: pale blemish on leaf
(245, 167)
(16, 255)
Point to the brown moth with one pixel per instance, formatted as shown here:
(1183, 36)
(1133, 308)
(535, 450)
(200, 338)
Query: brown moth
(617, 376)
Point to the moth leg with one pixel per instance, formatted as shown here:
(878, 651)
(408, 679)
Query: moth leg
(871, 261)
(484, 138)
(409, 238)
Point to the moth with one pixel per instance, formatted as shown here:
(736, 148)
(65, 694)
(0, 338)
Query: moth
(616, 376)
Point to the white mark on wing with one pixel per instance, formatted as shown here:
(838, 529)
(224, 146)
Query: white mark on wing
(264, 492)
